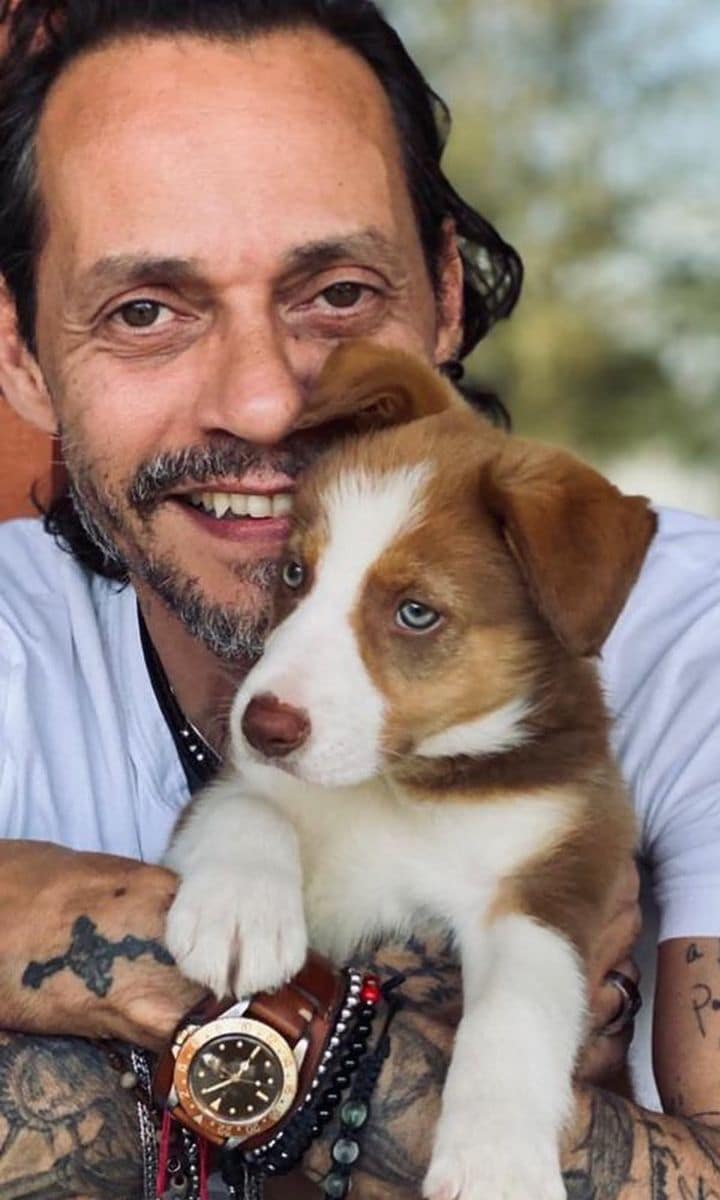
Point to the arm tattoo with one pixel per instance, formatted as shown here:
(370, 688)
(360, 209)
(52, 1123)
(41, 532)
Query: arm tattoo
(406, 1102)
(626, 1153)
(618, 1152)
(409, 1094)
(90, 956)
(432, 978)
(703, 991)
(602, 1160)
(67, 1128)
(663, 1161)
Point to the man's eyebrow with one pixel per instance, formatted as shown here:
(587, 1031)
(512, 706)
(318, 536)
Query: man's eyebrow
(133, 270)
(370, 245)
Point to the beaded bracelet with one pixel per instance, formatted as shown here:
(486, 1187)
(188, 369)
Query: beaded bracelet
(354, 1112)
(345, 1055)
(347, 1064)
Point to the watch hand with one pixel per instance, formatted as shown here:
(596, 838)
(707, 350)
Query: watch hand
(245, 1064)
(216, 1086)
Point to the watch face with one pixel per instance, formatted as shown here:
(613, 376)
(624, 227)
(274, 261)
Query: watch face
(236, 1078)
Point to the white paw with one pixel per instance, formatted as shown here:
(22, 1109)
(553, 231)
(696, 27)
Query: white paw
(237, 933)
(468, 1165)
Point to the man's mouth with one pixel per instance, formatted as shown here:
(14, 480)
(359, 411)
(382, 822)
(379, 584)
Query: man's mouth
(257, 506)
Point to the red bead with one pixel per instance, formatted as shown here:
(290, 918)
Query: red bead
(370, 990)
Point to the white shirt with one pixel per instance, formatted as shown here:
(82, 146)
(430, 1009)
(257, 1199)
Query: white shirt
(661, 668)
(87, 761)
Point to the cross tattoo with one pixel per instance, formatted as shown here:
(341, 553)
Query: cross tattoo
(91, 956)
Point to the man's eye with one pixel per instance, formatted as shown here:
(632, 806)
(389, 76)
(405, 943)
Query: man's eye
(140, 314)
(344, 295)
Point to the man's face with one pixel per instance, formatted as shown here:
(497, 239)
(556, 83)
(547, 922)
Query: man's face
(219, 216)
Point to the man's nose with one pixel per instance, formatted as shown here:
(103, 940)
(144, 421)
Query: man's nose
(255, 390)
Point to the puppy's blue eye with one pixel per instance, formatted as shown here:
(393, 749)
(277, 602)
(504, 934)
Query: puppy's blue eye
(293, 575)
(417, 617)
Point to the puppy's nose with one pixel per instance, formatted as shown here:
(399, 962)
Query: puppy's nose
(274, 728)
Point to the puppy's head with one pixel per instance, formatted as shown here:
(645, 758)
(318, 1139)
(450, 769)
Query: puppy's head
(430, 567)
(365, 387)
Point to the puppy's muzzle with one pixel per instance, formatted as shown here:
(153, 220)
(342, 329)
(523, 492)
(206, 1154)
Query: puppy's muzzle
(273, 728)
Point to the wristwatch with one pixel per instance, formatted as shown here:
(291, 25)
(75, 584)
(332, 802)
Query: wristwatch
(236, 1070)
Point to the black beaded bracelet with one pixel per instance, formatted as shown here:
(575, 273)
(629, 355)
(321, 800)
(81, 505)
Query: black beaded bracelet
(354, 1112)
(346, 1059)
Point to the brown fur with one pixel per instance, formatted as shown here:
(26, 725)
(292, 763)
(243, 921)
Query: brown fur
(370, 387)
(530, 555)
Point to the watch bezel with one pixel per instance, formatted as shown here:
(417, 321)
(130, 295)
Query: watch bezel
(228, 1027)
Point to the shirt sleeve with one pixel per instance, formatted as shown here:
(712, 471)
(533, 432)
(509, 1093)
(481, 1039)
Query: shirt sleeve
(662, 671)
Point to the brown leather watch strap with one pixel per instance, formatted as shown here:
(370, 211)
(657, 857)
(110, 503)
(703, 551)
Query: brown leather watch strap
(314, 993)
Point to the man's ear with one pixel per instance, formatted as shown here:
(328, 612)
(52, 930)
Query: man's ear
(449, 301)
(367, 386)
(580, 542)
(21, 380)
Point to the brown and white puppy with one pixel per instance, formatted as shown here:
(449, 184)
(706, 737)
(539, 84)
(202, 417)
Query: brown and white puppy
(425, 736)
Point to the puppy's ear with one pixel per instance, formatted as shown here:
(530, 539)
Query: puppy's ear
(369, 387)
(579, 541)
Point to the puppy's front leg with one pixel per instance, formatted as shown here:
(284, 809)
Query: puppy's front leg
(237, 923)
(509, 1086)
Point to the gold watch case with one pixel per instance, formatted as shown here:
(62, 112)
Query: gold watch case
(233, 1031)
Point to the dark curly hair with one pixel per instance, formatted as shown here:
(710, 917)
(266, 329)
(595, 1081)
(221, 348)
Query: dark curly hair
(44, 36)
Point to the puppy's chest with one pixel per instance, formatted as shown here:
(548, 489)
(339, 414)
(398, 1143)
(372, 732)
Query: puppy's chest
(373, 864)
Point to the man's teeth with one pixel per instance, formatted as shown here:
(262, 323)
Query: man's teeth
(241, 504)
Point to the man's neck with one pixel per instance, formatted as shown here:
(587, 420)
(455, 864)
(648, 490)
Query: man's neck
(204, 686)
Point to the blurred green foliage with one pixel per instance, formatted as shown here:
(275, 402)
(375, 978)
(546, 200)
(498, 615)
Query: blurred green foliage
(586, 130)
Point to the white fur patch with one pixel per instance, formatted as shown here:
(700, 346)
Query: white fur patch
(509, 1087)
(312, 660)
(237, 922)
(496, 731)
(372, 861)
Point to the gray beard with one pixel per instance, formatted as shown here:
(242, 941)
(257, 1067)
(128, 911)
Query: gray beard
(230, 633)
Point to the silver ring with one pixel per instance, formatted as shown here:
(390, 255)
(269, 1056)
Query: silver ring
(630, 1003)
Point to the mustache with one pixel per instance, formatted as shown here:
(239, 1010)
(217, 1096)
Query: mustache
(165, 473)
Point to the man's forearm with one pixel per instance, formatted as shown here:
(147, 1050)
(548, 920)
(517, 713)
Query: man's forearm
(612, 1150)
(406, 1101)
(67, 1126)
(618, 1151)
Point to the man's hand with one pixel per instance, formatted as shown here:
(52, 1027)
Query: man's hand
(81, 946)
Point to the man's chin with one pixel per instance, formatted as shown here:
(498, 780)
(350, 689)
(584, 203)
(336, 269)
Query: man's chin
(219, 589)
(232, 621)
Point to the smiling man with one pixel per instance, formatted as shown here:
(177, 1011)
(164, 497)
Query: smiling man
(197, 203)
